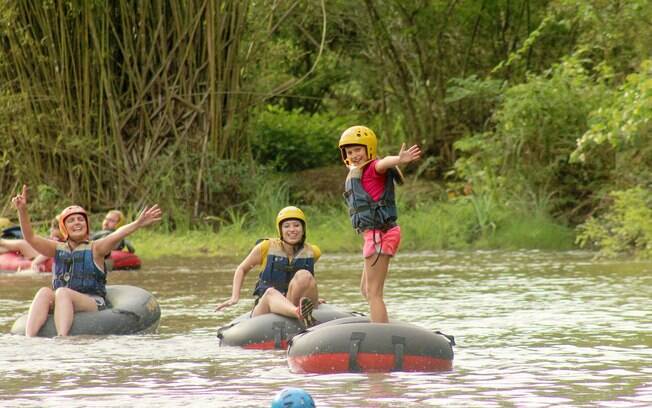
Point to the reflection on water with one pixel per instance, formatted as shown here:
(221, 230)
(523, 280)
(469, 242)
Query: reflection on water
(533, 329)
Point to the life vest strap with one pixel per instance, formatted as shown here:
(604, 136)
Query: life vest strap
(370, 206)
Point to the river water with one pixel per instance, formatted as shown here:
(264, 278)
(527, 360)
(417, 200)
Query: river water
(533, 329)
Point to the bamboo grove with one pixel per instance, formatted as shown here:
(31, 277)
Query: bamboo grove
(105, 101)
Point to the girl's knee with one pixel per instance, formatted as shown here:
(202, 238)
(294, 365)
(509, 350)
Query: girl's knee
(43, 300)
(62, 293)
(44, 292)
(270, 292)
(303, 277)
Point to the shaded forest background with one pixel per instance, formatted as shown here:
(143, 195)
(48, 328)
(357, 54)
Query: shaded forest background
(220, 109)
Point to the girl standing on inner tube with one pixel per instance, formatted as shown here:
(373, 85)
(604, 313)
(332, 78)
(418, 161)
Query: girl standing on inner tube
(79, 277)
(369, 195)
(286, 285)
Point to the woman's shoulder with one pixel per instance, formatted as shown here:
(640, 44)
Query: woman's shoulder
(272, 242)
(316, 252)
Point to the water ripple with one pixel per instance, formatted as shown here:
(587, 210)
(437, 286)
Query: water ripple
(533, 329)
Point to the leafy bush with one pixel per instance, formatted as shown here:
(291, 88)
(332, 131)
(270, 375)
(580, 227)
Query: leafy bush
(621, 128)
(293, 140)
(626, 227)
(527, 156)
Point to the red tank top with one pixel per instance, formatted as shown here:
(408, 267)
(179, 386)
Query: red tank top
(372, 181)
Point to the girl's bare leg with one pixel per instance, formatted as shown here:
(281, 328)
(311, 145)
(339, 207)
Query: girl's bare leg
(273, 301)
(303, 285)
(375, 272)
(38, 311)
(66, 303)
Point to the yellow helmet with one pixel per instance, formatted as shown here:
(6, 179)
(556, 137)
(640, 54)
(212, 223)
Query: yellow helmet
(5, 222)
(359, 135)
(290, 213)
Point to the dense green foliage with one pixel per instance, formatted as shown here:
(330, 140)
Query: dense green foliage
(527, 155)
(626, 228)
(291, 141)
(529, 112)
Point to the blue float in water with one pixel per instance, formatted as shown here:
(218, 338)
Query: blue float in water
(291, 397)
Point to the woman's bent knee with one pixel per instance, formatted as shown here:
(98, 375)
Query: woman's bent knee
(271, 292)
(62, 293)
(44, 293)
(303, 278)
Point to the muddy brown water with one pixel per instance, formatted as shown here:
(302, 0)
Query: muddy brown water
(533, 329)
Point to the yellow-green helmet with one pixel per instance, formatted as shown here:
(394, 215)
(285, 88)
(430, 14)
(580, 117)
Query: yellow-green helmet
(290, 213)
(359, 135)
(5, 223)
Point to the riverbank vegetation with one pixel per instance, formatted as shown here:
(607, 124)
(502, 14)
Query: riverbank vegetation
(534, 116)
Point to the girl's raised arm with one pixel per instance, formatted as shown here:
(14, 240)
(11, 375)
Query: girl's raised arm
(146, 217)
(42, 245)
(404, 156)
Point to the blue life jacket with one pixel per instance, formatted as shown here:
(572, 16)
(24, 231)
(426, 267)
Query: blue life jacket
(278, 271)
(76, 269)
(365, 212)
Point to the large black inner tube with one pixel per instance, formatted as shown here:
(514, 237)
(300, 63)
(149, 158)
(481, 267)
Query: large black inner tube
(132, 310)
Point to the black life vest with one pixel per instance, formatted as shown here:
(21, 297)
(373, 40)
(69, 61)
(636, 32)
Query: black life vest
(365, 212)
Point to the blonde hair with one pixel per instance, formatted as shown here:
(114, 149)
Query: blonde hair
(121, 217)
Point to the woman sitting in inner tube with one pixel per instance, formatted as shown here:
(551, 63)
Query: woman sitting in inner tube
(286, 285)
(79, 276)
(113, 220)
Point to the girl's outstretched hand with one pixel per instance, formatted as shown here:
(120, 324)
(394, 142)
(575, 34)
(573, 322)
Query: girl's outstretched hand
(149, 216)
(409, 155)
(20, 201)
(230, 302)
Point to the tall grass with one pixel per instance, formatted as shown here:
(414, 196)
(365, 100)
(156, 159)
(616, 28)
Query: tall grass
(439, 225)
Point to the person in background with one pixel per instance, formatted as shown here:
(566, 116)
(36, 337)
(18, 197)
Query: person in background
(287, 284)
(5, 223)
(369, 195)
(79, 275)
(113, 220)
(22, 247)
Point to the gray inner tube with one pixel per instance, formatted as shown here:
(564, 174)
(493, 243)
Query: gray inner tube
(356, 335)
(131, 310)
(247, 331)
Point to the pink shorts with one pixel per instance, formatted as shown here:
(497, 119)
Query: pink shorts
(377, 241)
